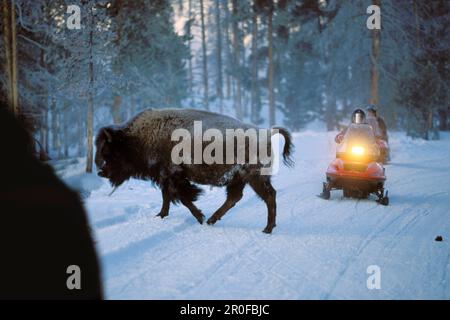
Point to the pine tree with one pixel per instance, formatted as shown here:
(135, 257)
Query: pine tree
(149, 60)
(424, 80)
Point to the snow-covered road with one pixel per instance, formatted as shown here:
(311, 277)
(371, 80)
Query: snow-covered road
(319, 250)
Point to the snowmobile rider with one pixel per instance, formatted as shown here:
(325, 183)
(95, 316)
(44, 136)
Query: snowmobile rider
(380, 123)
(358, 117)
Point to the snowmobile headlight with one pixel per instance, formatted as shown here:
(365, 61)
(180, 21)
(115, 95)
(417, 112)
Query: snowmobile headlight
(358, 150)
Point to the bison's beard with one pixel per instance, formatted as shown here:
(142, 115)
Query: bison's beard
(117, 181)
(116, 176)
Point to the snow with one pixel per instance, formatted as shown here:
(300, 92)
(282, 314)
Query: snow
(320, 249)
(84, 183)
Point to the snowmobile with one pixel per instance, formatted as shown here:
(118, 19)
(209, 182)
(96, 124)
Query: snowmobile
(356, 169)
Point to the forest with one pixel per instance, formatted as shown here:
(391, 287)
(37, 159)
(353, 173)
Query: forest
(266, 62)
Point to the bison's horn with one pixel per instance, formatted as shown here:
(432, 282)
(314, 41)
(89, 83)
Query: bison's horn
(113, 190)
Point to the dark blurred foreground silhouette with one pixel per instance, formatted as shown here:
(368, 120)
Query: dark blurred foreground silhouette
(43, 227)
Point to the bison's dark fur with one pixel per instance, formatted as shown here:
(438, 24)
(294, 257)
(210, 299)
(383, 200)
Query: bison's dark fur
(141, 148)
(43, 227)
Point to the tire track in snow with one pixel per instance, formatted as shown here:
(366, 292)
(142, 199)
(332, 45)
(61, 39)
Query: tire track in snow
(216, 269)
(412, 222)
(445, 286)
(116, 258)
(154, 262)
(363, 245)
(253, 241)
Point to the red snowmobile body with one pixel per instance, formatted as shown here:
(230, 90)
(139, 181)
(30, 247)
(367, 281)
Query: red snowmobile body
(356, 169)
(356, 177)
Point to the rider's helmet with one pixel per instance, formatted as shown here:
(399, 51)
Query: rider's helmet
(358, 116)
(372, 108)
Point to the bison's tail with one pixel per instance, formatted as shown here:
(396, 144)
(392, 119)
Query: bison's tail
(185, 191)
(288, 145)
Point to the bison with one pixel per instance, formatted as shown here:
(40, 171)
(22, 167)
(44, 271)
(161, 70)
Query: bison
(143, 147)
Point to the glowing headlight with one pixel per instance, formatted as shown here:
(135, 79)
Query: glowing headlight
(358, 150)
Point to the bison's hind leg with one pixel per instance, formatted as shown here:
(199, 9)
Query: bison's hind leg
(166, 202)
(264, 189)
(187, 193)
(234, 194)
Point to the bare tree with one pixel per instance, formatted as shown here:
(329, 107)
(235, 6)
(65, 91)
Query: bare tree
(132, 105)
(228, 50)
(236, 60)
(90, 106)
(43, 104)
(10, 42)
(65, 115)
(80, 133)
(219, 82)
(205, 58)
(117, 103)
(116, 109)
(56, 142)
(44, 129)
(189, 32)
(255, 93)
(374, 75)
(270, 71)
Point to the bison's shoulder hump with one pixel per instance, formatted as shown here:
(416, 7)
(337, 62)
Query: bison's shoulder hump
(154, 118)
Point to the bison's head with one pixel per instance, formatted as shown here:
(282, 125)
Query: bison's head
(114, 158)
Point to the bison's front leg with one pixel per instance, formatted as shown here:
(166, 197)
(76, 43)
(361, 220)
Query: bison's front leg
(166, 203)
(234, 194)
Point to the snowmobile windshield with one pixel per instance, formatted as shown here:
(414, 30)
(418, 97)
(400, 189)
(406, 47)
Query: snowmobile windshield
(359, 143)
(360, 133)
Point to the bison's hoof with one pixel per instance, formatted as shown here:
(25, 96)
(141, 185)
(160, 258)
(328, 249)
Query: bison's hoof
(268, 229)
(162, 215)
(200, 218)
(211, 221)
